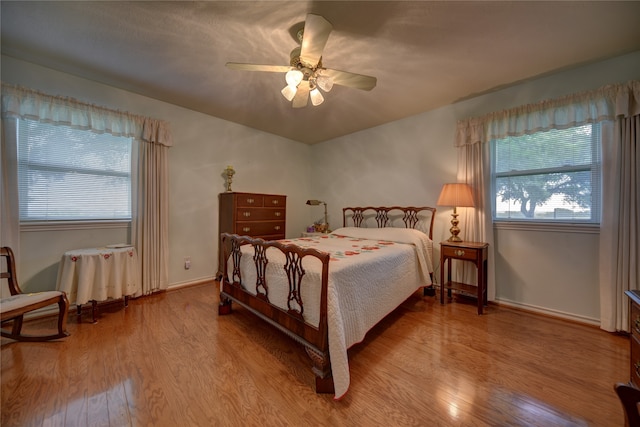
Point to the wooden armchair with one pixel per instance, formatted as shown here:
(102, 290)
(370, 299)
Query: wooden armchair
(14, 307)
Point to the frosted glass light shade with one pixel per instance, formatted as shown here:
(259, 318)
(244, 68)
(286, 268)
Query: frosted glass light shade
(289, 92)
(316, 97)
(325, 83)
(293, 77)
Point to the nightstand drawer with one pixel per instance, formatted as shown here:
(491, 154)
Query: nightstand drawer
(459, 253)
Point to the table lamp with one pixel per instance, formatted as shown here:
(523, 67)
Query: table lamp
(326, 221)
(455, 195)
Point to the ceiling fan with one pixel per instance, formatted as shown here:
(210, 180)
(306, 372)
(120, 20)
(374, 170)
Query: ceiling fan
(305, 74)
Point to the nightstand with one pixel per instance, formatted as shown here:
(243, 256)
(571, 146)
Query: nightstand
(475, 252)
(312, 234)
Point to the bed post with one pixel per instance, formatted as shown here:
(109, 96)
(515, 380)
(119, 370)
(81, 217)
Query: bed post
(224, 307)
(322, 369)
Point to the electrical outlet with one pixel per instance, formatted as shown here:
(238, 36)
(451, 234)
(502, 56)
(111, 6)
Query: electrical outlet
(187, 262)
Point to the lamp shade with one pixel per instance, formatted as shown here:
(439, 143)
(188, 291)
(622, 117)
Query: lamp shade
(456, 195)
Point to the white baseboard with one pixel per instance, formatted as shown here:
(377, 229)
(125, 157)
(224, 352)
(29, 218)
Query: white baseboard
(549, 312)
(202, 280)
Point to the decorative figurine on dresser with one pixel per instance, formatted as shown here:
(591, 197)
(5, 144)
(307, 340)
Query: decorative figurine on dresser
(251, 214)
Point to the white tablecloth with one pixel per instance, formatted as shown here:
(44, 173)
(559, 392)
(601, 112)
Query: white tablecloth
(97, 274)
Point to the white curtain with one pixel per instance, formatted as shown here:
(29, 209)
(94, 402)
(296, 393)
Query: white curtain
(150, 227)
(23, 103)
(9, 213)
(619, 241)
(473, 169)
(605, 104)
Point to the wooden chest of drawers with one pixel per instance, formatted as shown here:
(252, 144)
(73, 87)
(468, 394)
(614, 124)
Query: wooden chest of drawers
(634, 327)
(252, 214)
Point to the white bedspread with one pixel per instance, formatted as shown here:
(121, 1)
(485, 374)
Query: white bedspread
(371, 272)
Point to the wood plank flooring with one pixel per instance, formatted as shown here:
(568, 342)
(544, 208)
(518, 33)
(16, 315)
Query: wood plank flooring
(169, 360)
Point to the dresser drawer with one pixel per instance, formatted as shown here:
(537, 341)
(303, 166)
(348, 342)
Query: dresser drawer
(635, 362)
(261, 214)
(257, 229)
(459, 253)
(634, 321)
(256, 200)
(271, 201)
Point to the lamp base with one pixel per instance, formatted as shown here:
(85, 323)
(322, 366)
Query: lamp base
(454, 230)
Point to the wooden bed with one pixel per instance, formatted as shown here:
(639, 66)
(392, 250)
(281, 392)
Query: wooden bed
(294, 286)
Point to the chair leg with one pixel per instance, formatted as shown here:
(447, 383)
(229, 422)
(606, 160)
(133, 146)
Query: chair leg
(17, 326)
(63, 306)
(94, 309)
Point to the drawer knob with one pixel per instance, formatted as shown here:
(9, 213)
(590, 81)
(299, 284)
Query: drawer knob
(275, 202)
(459, 252)
(278, 213)
(246, 214)
(246, 229)
(277, 227)
(250, 201)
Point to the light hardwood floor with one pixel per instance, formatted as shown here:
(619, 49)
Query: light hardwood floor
(169, 360)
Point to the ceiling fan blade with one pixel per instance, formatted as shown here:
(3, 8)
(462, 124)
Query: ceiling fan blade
(301, 98)
(258, 67)
(314, 38)
(345, 78)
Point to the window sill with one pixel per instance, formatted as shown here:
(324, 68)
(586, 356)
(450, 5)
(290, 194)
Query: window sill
(72, 225)
(552, 227)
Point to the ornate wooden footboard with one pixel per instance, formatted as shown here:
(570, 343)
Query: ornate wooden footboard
(291, 319)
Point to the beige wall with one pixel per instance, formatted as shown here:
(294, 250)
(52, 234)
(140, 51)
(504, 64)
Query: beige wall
(407, 161)
(203, 147)
(404, 163)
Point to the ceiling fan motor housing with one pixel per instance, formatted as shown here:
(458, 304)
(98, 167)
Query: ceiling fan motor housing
(308, 70)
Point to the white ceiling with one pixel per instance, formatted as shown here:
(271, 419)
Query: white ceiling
(425, 54)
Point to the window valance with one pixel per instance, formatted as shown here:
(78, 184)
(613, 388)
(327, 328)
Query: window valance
(23, 103)
(605, 103)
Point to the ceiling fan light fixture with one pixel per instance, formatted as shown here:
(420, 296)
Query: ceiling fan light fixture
(289, 92)
(324, 82)
(316, 97)
(294, 77)
(305, 74)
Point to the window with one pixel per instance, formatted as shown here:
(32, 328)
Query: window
(548, 176)
(66, 173)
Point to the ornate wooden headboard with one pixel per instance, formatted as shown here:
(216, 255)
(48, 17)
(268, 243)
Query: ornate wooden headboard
(420, 218)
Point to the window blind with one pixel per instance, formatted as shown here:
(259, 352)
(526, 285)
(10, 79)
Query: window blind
(66, 173)
(548, 176)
